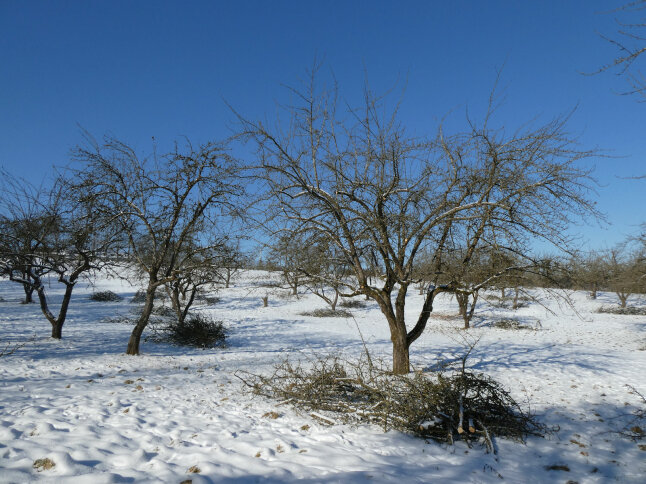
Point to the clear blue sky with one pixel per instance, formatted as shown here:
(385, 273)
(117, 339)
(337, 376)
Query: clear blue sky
(159, 68)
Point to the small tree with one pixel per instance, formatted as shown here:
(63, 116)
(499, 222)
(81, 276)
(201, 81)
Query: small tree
(163, 205)
(51, 234)
(288, 253)
(231, 260)
(202, 267)
(623, 269)
(590, 272)
(325, 270)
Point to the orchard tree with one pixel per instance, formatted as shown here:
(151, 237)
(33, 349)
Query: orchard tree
(591, 271)
(24, 224)
(198, 268)
(368, 187)
(625, 269)
(288, 253)
(324, 270)
(231, 260)
(165, 205)
(52, 235)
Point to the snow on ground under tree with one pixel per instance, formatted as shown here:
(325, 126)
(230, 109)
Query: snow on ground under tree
(102, 416)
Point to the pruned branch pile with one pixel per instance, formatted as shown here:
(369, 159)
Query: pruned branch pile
(444, 407)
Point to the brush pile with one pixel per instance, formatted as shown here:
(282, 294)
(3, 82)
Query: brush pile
(462, 405)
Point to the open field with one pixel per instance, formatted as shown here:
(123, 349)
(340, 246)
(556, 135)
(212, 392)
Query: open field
(102, 416)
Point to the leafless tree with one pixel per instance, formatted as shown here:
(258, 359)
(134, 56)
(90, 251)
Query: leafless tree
(287, 253)
(163, 204)
(590, 271)
(625, 268)
(202, 267)
(231, 260)
(325, 269)
(51, 234)
(24, 224)
(363, 183)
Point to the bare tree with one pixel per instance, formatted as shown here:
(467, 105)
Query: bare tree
(231, 260)
(361, 182)
(325, 269)
(202, 267)
(55, 236)
(24, 224)
(590, 272)
(625, 268)
(163, 204)
(288, 254)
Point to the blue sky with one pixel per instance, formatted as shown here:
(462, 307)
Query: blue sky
(165, 69)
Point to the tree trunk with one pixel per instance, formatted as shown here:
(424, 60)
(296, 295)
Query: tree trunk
(593, 292)
(333, 302)
(174, 302)
(515, 303)
(623, 298)
(135, 336)
(184, 313)
(401, 358)
(29, 291)
(56, 322)
(463, 303)
(399, 335)
(227, 279)
(473, 306)
(502, 293)
(57, 330)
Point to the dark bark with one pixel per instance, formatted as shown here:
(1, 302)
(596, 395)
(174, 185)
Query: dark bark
(56, 321)
(466, 309)
(57, 330)
(180, 303)
(401, 358)
(29, 291)
(142, 322)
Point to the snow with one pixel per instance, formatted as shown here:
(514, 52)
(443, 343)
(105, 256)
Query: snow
(102, 416)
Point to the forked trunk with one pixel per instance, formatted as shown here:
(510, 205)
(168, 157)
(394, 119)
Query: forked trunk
(623, 298)
(56, 322)
(29, 291)
(515, 303)
(466, 310)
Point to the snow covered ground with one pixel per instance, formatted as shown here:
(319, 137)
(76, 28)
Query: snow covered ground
(102, 416)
